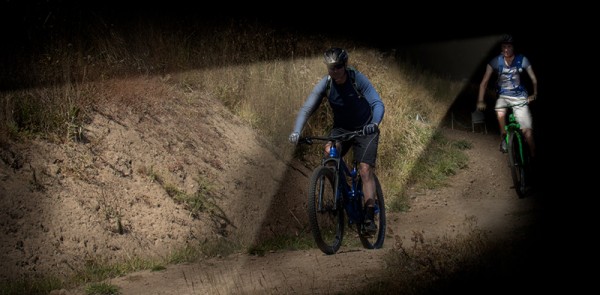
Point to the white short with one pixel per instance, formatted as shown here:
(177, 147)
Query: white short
(520, 109)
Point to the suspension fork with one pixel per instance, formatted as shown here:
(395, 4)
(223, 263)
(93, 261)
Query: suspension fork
(336, 177)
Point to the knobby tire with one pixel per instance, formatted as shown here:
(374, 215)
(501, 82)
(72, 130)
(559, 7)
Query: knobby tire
(326, 220)
(375, 241)
(518, 162)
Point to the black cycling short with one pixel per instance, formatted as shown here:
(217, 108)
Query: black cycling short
(364, 147)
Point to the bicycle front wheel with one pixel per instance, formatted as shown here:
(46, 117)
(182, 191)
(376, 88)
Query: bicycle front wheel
(325, 216)
(517, 154)
(375, 241)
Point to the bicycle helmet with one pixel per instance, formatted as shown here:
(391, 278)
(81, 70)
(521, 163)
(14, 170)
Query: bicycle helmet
(335, 56)
(507, 39)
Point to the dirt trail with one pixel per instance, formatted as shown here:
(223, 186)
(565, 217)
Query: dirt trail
(482, 192)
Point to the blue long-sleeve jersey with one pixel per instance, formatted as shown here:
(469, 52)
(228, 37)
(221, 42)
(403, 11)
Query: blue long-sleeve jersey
(350, 111)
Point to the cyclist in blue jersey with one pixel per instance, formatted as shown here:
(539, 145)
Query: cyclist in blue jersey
(508, 66)
(356, 105)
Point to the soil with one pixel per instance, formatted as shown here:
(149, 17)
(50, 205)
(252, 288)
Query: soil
(102, 198)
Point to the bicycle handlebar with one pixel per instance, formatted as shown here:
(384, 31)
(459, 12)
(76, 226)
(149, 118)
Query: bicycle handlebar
(341, 137)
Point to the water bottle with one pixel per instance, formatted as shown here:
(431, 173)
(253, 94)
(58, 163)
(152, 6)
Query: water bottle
(333, 151)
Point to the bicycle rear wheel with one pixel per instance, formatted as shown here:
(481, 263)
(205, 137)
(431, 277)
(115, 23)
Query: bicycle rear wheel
(517, 155)
(326, 219)
(375, 241)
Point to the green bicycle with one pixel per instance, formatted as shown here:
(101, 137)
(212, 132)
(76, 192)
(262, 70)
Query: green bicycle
(518, 155)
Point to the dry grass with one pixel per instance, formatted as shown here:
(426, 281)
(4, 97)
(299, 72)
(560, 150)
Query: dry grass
(263, 75)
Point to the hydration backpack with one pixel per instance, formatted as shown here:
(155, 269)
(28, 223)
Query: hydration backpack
(352, 75)
(518, 60)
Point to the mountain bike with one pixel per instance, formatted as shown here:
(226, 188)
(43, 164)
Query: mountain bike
(335, 193)
(518, 154)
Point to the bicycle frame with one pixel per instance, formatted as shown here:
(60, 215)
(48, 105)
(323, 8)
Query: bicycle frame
(348, 193)
(518, 154)
(515, 128)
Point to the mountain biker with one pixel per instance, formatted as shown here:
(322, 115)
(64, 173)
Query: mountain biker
(510, 91)
(355, 107)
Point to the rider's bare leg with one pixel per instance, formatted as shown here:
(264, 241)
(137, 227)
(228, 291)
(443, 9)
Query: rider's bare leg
(501, 114)
(529, 137)
(368, 183)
